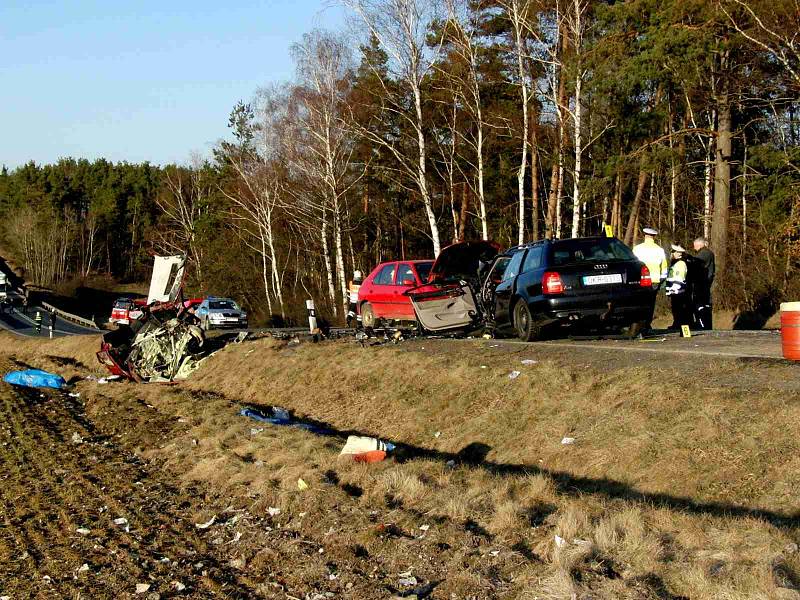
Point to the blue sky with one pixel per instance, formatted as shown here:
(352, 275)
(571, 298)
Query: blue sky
(138, 80)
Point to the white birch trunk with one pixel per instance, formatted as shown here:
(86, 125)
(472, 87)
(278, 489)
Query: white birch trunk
(422, 178)
(518, 25)
(576, 175)
(326, 257)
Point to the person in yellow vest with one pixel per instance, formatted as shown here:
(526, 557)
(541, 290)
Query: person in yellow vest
(352, 290)
(655, 259)
(653, 256)
(677, 288)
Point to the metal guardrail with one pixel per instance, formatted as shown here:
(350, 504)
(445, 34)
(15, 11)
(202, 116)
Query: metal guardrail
(88, 323)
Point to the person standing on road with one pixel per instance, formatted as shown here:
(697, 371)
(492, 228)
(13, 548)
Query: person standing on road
(352, 291)
(655, 259)
(652, 255)
(701, 292)
(677, 289)
(52, 319)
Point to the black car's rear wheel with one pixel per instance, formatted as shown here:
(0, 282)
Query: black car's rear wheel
(527, 330)
(368, 319)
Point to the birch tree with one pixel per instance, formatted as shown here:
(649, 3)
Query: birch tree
(325, 157)
(401, 28)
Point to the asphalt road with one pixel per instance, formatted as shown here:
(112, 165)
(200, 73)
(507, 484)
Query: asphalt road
(21, 323)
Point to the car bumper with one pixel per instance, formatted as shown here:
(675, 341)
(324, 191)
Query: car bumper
(227, 324)
(600, 310)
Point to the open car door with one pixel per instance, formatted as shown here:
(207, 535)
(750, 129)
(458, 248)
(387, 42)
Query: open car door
(449, 300)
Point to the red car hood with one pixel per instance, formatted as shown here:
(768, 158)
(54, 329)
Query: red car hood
(460, 260)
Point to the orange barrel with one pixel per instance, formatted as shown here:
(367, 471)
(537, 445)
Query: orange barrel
(790, 330)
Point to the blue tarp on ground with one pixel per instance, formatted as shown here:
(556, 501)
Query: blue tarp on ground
(281, 416)
(35, 378)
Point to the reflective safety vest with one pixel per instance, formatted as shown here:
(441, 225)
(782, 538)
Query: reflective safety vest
(654, 257)
(676, 280)
(353, 291)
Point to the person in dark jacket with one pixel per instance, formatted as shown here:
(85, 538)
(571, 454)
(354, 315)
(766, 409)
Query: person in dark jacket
(701, 292)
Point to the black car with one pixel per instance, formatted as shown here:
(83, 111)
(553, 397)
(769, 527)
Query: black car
(581, 283)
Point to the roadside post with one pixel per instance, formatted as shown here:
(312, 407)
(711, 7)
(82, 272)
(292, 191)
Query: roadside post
(312, 316)
(51, 331)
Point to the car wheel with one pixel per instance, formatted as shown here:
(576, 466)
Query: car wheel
(527, 330)
(368, 319)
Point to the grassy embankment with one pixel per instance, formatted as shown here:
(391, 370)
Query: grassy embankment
(675, 486)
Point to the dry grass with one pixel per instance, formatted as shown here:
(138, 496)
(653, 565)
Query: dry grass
(669, 491)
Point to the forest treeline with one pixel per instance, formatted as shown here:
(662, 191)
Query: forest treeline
(443, 120)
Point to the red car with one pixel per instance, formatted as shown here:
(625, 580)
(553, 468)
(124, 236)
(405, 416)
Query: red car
(382, 295)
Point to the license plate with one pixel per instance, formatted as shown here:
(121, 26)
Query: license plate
(602, 279)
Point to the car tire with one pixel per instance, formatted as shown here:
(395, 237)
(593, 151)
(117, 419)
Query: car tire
(527, 330)
(368, 318)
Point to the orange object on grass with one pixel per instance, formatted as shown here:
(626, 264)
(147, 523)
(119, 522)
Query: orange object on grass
(370, 457)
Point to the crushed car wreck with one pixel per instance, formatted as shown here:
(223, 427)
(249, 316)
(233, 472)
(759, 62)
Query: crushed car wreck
(165, 344)
(591, 284)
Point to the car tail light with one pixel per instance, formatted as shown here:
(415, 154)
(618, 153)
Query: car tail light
(645, 280)
(551, 283)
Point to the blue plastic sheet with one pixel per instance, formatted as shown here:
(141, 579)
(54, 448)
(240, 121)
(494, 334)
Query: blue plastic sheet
(281, 416)
(36, 379)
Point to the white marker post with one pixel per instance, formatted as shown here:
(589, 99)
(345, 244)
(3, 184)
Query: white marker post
(51, 331)
(312, 316)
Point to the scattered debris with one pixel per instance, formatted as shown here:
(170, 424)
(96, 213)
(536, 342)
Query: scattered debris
(241, 337)
(76, 438)
(122, 521)
(281, 416)
(437, 434)
(273, 511)
(407, 579)
(83, 568)
(179, 587)
(366, 449)
(790, 548)
(142, 588)
(302, 485)
(514, 374)
(83, 531)
(35, 378)
(450, 464)
(568, 440)
(494, 552)
(560, 542)
(529, 361)
(207, 524)
(74, 395)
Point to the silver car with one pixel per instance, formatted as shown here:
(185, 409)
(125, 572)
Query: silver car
(218, 313)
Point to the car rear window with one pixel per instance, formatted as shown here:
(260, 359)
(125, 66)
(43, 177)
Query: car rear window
(570, 252)
(424, 270)
(123, 304)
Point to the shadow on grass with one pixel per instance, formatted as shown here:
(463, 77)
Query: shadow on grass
(475, 454)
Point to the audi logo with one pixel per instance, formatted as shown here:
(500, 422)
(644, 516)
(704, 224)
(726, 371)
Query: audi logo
(601, 266)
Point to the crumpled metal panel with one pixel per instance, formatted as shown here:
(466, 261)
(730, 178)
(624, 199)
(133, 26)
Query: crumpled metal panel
(165, 351)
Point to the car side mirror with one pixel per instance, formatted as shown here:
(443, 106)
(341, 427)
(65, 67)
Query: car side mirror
(409, 281)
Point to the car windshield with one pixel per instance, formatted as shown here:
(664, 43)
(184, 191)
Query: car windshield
(223, 305)
(597, 250)
(424, 270)
(123, 304)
